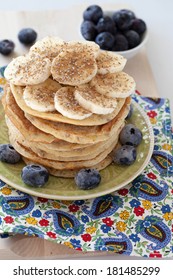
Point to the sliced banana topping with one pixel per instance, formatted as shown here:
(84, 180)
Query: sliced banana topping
(109, 62)
(67, 105)
(49, 47)
(114, 84)
(41, 97)
(74, 67)
(28, 70)
(90, 46)
(93, 101)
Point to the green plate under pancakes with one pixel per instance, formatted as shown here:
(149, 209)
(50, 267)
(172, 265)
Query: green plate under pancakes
(113, 177)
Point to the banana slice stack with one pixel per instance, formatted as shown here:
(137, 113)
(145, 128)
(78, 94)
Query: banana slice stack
(65, 105)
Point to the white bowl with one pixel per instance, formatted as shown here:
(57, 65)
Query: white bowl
(132, 52)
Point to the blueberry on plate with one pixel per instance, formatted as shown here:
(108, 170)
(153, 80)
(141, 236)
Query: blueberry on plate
(27, 36)
(6, 47)
(138, 25)
(122, 19)
(87, 179)
(8, 154)
(130, 135)
(105, 40)
(133, 38)
(125, 155)
(88, 30)
(121, 43)
(35, 175)
(106, 23)
(93, 13)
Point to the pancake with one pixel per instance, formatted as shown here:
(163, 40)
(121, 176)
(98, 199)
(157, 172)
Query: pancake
(69, 173)
(60, 165)
(30, 132)
(81, 134)
(16, 115)
(57, 117)
(80, 154)
(25, 136)
(47, 131)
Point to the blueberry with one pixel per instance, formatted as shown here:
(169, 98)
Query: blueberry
(9, 154)
(138, 25)
(122, 18)
(88, 30)
(87, 179)
(130, 135)
(6, 47)
(133, 38)
(27, 36)
(105, 40)
(130, 13)
(93, 13)
(130, 112)
(35, 175)
(106, 24)
(125, 155)
(121, 43)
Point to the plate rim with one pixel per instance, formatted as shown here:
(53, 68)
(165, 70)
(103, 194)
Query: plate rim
(101, 193)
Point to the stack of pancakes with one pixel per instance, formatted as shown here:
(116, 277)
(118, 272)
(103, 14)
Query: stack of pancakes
(65, 104)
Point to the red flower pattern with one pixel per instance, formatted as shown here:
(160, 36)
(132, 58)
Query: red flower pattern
(172, 191)
(123, 192)
(152, 114)
(139, 211)
(151, 176)
(44, 223)
(8, 220)
(155, 254)
(86, 237)
(79, 249)
(108, 222)
(73, 208)
(42, 199)
(51, 234)
(137, 91)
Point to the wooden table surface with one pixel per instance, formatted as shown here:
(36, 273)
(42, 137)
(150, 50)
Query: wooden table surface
(65, 24)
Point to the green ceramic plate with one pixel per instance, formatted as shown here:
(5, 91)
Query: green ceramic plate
(113, 177)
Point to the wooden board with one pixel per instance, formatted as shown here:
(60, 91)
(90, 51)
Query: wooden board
(65, 24)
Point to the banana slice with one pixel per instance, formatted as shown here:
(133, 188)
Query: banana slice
(28, 70)
(49, 47)
(90, 46)
(93, 101)
(74, 67)
(66, 104)
(41, 97)
(114, 84)
(109, 62)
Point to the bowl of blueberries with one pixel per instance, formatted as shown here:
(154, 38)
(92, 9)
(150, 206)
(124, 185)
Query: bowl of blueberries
(120, 31)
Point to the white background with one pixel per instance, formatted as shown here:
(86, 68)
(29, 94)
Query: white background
(158, 15)
(100, 266)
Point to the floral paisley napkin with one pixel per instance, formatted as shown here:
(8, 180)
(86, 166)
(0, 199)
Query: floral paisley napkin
(136, 220)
